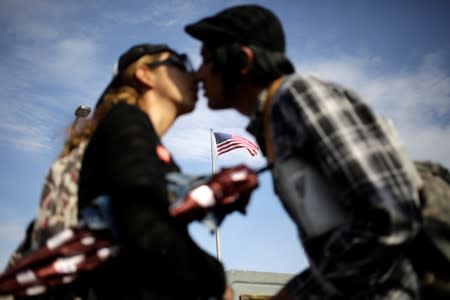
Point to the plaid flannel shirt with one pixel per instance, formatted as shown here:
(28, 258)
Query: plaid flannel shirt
(339, 134)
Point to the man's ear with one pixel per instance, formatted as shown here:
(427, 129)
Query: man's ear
(145, 76)
(248, 57)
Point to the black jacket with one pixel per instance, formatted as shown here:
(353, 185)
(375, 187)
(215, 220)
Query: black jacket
(160, 259)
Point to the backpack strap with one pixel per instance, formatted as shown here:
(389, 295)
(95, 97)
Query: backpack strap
(266, 118)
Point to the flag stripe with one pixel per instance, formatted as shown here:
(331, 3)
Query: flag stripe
(226, 142)
(239, 143)
(234, 145)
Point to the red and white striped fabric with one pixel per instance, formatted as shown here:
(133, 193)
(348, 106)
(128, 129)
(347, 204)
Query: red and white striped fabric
(64, 257)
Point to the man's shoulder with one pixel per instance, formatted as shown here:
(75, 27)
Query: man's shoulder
(314, 89)
(304, 81)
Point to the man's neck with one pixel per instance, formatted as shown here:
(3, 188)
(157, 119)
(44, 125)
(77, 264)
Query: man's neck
(247, 99)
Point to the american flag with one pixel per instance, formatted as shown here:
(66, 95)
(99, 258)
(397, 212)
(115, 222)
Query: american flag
(226, 142)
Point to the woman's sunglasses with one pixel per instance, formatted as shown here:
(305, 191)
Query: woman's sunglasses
(180, 61)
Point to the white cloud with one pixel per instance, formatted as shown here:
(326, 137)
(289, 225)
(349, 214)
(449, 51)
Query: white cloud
(160, 13)
(189, 138)
(24, 137)
(24, 18)
(68, 61)
(47, 85)
(189, 143)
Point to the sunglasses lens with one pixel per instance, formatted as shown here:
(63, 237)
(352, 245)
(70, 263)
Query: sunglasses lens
(180, 61)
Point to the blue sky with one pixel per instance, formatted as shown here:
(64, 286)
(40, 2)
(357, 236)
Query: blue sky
(55, 55)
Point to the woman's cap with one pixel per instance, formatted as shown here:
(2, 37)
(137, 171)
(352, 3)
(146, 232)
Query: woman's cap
(136, 52)
(129, 57)
(246, 24)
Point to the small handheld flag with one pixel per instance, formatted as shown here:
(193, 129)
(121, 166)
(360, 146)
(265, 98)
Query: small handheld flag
(226, 142)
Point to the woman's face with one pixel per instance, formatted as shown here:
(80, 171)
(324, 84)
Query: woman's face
(175, 82)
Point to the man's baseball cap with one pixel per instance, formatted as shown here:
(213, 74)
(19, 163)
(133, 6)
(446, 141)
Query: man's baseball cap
(129, 57)
(246, 24)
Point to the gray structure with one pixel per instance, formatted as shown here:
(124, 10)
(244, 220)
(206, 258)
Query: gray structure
(248, 285)
(252, 285)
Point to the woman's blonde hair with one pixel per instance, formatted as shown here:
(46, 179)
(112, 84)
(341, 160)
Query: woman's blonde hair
(128, 90)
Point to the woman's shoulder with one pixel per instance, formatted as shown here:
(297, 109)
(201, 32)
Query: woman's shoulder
(123, 109)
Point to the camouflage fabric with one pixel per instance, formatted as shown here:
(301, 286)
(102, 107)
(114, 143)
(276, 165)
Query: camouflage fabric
(436, 190)
(436, 206)
(58, 207)
(431, 250)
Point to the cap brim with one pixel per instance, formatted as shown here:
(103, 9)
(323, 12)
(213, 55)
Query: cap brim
(207, 32)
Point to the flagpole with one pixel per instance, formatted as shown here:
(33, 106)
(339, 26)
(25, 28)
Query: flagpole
(213, 169)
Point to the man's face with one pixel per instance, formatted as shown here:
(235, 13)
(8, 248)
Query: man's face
(212, 81)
